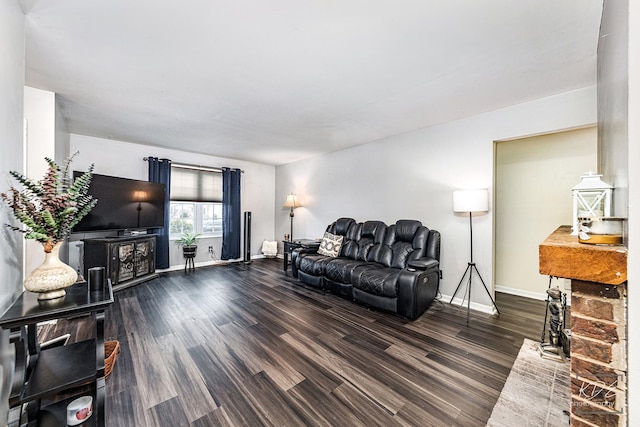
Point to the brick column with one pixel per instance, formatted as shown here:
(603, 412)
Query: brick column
(598, 354)
(598, 325)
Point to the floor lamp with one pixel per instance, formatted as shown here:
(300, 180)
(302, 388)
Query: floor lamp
(291, 202)
(471, 201)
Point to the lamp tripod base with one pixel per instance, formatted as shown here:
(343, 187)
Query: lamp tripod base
(471, 267)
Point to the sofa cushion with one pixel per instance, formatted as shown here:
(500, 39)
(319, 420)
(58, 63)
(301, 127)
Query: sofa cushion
(341, 226)
(401, 252)
(340, 269)
(377, 281)
(404, 241)
(370, 240)
(348, 228)
(330, 245)
(313, 264)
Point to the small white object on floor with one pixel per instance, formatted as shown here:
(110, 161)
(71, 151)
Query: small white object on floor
(270, 248)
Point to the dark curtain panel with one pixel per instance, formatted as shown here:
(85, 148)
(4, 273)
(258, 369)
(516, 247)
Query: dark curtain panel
(230, 213)
(160, 171)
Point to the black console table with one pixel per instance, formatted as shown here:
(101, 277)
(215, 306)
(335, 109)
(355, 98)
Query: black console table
(41, 376)
(128, 260)
(289, 246)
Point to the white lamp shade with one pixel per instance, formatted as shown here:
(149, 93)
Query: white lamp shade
(471, 201)
(292, 202)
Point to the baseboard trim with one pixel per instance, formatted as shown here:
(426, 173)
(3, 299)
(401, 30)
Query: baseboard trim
(474, 305)
(541, 296)
(207, 263)
(522, 293)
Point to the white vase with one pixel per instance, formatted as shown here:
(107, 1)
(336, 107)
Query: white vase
(51, 277)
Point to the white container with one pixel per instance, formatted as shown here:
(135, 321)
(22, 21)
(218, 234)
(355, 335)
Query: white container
(79, 410)
(601, 230)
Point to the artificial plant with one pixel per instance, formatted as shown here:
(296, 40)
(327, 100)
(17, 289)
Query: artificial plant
(51, 207)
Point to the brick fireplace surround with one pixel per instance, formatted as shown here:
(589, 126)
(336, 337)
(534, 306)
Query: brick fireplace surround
(598, 325)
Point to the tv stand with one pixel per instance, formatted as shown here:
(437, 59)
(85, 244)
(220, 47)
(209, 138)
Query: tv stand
(128, 260)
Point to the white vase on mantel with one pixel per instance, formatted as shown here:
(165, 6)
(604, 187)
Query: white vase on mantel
(51, 277)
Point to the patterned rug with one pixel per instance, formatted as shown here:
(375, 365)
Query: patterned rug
(536, 392)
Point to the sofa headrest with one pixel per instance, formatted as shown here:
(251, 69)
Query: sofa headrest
(372, 229)
(341, 226)
(406, 229)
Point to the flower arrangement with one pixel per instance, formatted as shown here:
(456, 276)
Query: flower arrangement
(51, 207)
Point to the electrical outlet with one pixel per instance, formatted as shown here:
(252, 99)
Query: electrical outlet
(210, 249)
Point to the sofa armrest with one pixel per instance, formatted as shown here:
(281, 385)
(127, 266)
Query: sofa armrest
(423, 264)
(416, 290)
(295, 254)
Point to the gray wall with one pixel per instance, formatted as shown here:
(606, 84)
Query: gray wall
(414, 174)
(613, 76)
(11, 135)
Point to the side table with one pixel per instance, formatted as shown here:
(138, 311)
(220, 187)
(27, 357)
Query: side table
(289, 246)
(42, 374)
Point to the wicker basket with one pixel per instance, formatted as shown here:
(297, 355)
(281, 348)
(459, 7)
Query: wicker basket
(111, 350)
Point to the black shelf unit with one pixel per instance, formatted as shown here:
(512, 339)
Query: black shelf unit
(42, 375)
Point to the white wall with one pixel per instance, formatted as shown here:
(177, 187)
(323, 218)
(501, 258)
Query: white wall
(532, 184)
(11, 141)
(413, 175)
(40, 118)
(62, 137)
(125, 159)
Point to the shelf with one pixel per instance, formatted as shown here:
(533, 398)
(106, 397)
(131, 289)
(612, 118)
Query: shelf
(61, 368)
(27, 310)
(55, 414)
(562, 255)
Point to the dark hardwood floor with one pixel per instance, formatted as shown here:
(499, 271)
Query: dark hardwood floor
(246, 345)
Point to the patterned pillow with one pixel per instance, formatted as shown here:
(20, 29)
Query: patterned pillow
(330, 245)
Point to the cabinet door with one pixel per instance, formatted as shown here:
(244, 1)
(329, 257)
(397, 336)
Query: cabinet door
(142, 258)
(126, 258)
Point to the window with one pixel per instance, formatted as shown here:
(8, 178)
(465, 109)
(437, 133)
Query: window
(196, 196)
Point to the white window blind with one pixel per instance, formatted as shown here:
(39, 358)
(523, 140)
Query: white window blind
(195, 185)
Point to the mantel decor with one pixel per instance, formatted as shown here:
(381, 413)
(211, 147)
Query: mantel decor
(49, 209)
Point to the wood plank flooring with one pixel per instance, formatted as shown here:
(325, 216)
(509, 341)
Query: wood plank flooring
(245, 345)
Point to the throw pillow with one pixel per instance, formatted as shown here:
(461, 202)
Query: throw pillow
(330, 245)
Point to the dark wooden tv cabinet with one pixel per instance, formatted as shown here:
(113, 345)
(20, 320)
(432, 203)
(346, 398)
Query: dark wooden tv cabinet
(128, 260)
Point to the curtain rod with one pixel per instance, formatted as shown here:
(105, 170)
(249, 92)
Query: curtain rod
(197, 167)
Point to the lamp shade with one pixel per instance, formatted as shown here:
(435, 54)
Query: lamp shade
(471, 200)
(292, 202)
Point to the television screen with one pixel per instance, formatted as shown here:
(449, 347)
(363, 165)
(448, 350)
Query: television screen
(123, 204)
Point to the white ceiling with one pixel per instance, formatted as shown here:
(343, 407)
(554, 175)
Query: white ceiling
(274, 81)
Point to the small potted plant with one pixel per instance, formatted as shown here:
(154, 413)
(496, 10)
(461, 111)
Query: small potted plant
(189, 243)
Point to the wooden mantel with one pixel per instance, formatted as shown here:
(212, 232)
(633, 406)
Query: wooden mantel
(561, 255)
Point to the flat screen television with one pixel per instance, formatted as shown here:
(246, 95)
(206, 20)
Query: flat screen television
(123, 204)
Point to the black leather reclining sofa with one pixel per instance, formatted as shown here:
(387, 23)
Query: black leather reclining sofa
(390, 267)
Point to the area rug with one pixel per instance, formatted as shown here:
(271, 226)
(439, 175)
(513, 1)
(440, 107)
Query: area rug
(536, 393)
